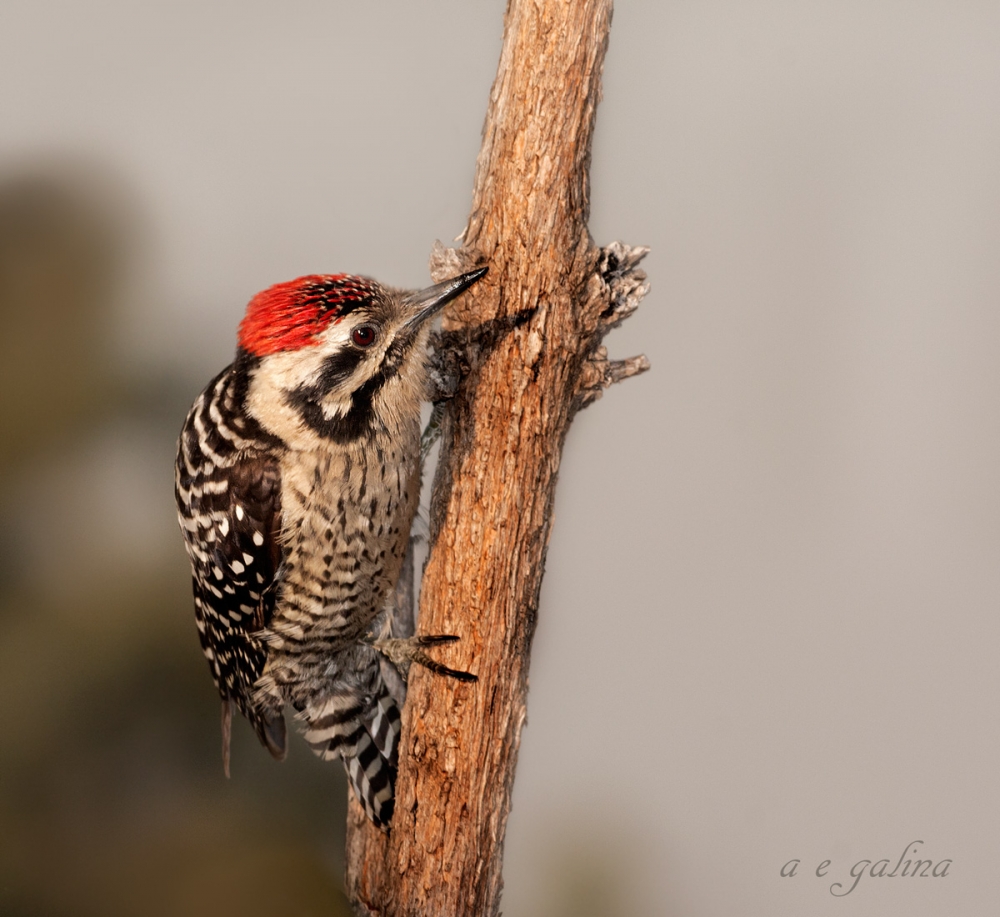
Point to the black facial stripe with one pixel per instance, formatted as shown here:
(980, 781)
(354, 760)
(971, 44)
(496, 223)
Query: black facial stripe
(337, 369)
(358, 419)
(345, 428)
(243, 367)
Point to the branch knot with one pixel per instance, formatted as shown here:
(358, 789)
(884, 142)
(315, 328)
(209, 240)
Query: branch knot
(617, 286)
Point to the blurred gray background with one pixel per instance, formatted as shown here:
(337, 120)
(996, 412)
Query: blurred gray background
(769, 624)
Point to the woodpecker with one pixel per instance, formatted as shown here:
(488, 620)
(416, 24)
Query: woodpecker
(297, 480)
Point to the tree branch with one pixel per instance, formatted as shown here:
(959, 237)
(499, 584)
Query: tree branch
(529, 336)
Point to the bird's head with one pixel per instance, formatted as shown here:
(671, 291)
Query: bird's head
(329, 353)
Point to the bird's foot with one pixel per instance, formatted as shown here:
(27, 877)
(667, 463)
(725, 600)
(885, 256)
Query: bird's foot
(404, 651)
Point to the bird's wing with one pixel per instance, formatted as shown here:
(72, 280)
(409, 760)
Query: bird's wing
(229, 505)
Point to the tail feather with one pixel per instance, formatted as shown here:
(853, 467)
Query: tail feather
(385, 726)
(374, 781)
(364, 732)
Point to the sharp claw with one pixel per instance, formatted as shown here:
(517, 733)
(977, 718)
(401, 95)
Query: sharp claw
(435, 639)
(438, 669)
(467, 677)
(403, 651)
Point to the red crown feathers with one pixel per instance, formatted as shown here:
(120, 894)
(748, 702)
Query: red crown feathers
(290, 315)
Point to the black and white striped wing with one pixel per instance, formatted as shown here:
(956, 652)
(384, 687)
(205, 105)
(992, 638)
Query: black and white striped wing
(229, 505)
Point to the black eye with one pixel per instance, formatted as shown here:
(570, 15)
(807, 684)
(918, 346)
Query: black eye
(363, 335)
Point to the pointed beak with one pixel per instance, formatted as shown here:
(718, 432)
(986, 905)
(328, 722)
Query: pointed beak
(424, 304)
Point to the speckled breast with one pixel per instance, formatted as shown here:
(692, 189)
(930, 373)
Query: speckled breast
(357, 507)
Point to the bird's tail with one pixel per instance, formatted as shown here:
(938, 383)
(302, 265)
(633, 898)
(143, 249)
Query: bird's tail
(362, 729)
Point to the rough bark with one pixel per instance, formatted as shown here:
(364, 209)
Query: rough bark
(529, 340)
